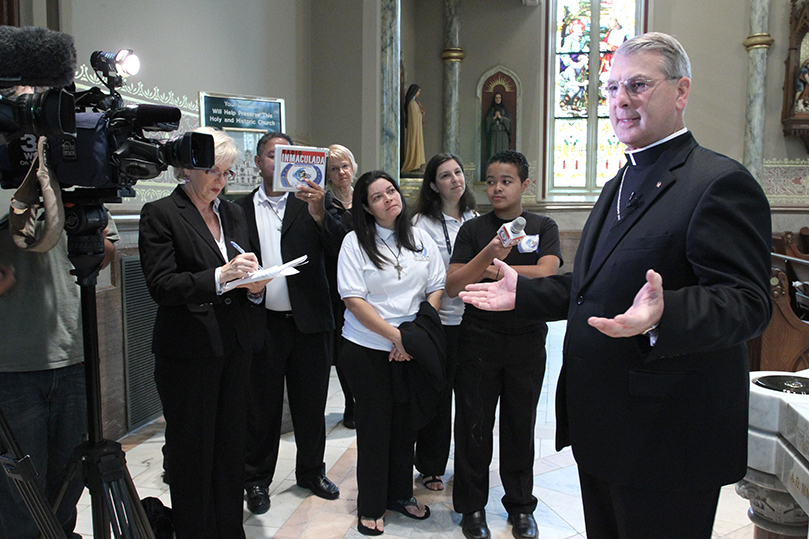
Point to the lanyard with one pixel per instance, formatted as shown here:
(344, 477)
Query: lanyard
(446, 234)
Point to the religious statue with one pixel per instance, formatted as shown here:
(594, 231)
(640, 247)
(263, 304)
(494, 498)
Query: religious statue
(497, 126)
(412, 113)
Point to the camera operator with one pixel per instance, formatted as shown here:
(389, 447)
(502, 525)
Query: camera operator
(42, 385)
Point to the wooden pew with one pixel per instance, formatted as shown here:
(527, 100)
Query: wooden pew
(784, 346)
(790, 244)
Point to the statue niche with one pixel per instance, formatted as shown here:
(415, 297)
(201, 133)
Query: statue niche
(498, 91)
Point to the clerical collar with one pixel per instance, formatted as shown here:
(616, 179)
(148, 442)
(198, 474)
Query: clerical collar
(649, 154)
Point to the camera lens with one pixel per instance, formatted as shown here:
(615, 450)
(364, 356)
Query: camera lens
(49, 113)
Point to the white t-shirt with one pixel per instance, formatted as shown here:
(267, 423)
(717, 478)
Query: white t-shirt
(396, 300)
(451, 311)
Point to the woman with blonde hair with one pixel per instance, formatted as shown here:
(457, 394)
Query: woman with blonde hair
(189, 248)
(340, 174)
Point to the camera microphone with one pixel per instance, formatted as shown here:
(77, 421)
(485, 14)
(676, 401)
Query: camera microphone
(151, 117)
(511, 233)
(35, 56)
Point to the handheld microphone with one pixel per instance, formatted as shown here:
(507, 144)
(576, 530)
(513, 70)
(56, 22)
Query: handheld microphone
(511, 233)
(34, 56)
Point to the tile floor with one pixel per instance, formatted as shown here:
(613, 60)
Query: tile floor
(294, 514)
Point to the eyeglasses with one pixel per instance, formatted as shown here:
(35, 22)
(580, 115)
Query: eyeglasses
(228, 174)
(634, 86)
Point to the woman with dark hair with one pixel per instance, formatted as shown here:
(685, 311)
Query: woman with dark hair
(386, 271)
(414, 135)
(498, 126)
(444, 204)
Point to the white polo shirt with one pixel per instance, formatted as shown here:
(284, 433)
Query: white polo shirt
(395, 300)
(451, 311)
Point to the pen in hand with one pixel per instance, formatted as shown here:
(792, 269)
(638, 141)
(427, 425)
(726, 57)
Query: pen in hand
(238, 248)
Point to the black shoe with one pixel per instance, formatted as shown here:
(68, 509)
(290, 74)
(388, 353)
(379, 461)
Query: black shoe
(323, 487)
(348, 420)
(258, 500)
(474, 525)
(523, 526)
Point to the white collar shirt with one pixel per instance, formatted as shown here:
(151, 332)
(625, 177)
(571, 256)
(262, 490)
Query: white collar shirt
(269, 221)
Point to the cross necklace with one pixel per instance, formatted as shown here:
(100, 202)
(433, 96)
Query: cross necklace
(396, 256)
(280, 221)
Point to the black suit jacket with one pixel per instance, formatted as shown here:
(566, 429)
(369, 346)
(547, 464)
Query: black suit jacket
(672, 416)
(179, 258)
(300, 235)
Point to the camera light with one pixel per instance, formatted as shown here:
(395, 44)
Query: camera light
(119, 64)
(127, 62)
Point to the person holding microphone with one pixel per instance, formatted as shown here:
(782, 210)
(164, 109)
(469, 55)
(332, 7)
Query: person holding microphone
(501, 357)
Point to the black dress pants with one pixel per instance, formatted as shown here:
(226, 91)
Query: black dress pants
(433, 440)
(302, 359)
(618, 512)
(384, 432)
(204, 406)
(496, 366)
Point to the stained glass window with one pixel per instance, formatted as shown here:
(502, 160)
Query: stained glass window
(585, 152)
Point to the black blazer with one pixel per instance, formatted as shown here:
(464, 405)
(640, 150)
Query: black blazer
(300, 235)
(672, 416)
(179, 258)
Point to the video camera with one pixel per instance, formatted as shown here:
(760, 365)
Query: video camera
(96, 145)
(95, 142)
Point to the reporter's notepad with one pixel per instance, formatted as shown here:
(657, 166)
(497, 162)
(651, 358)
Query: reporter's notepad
(283, 270)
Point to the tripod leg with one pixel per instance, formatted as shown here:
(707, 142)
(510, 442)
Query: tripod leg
(22, 472)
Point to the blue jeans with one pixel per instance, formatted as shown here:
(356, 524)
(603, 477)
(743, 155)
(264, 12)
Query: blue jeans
(47, 412)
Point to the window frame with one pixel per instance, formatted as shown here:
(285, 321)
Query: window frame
(591, 191)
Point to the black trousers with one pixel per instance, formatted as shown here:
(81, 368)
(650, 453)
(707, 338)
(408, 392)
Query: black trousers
(496, 366)
(617, 512)
(433, 441)
(302, 359)
(384, 433)
(204, 405)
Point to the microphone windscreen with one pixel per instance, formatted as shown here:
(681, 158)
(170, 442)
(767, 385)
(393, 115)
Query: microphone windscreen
(518, 225)
(35, 56)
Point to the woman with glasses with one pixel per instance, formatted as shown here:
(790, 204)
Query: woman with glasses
(340, 174)
(386, 269)
(190, 247)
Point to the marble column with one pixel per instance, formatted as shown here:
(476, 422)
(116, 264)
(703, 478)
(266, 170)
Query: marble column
(452, 57)
(391, 54)
(757, 43)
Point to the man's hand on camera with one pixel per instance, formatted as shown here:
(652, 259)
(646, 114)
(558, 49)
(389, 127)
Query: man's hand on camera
(7, 279)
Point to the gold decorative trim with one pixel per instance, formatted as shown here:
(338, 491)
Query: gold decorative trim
(453, 54)
(758, 41)
(138, 92)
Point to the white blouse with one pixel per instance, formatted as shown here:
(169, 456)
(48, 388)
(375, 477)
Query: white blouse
(395, 300)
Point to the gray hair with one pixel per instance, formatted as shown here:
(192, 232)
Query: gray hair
(674, 61)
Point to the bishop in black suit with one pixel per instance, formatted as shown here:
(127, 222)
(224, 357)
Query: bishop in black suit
(653, 393)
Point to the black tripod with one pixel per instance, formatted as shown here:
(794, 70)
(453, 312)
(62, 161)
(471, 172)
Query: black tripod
(114, 501)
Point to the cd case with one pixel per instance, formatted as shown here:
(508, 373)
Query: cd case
(294, 164)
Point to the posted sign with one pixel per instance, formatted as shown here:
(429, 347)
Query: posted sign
(241, 113)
